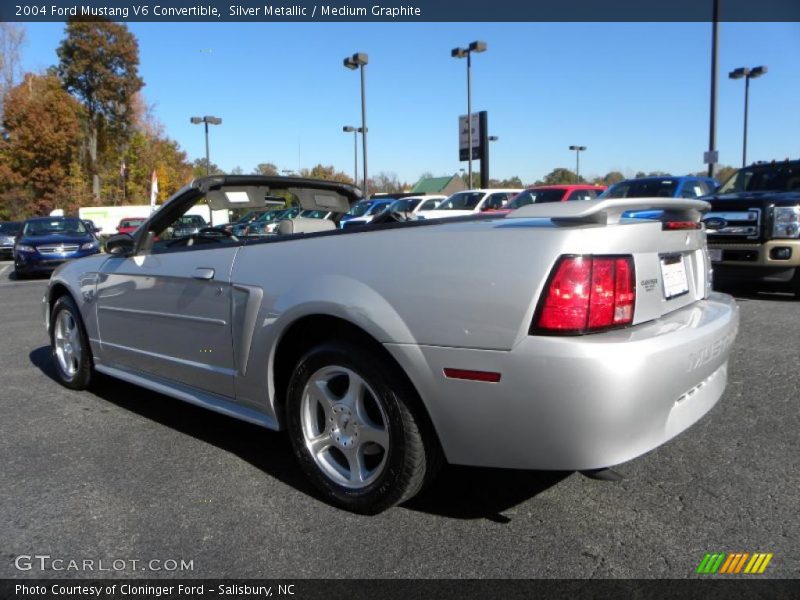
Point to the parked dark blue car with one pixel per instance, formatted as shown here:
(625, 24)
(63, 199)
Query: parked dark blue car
(689, 186)
(43, 243)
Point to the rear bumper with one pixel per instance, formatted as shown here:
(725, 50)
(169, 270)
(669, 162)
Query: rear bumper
(574, 403)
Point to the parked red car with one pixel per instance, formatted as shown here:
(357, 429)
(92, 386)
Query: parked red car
(129, 224)
(552, 193)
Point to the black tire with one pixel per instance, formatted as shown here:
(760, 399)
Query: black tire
(83, 371)
(412, 456)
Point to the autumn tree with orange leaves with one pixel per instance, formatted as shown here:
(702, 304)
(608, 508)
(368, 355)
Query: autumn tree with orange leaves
(40, 153)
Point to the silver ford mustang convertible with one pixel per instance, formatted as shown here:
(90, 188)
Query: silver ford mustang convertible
(561, 336)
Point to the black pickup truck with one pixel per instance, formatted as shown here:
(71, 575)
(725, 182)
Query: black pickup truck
(754, 228)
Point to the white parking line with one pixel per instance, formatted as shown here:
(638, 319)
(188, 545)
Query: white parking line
(22, 282)
(4, 269)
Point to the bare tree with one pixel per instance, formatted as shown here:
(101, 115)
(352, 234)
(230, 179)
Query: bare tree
(12, 37)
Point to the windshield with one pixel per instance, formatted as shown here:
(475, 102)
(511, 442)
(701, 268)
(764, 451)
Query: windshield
(643, 188)
(359, 209)
(461, 201)
(377, 207)
(535, 196)
(249, 216)
(131, 222)
(405, 205)
(764, 178)
(313, 214)
(53, 226)
(191, 221)
(9, 228)
(267, 216)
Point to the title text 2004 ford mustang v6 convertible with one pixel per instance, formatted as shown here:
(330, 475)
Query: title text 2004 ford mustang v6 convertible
(561, 336)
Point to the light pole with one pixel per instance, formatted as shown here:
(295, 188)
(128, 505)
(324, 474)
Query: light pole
(748, 74)
(578, 150)
(476, 46)
(711, 157)
(360, 59)
(207, 120)
(355, 131)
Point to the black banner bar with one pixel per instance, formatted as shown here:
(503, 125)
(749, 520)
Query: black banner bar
(399, 10)
(731, 588)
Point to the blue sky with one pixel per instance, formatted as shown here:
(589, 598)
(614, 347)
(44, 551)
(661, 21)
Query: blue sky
(636, 94)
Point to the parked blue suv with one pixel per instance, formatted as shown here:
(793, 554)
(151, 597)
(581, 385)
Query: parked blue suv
(43, 243)
(689, 186)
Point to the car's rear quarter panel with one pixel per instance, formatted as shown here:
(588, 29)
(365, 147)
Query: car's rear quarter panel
(471, 285)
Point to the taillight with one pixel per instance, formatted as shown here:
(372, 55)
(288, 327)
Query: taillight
(587, 294)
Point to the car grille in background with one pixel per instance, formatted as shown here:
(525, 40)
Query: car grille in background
(57, 249)
(729, 226)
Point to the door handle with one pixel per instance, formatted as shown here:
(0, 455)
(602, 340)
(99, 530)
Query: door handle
(203, 273)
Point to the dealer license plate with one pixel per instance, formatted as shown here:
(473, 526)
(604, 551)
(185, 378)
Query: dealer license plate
(673, 274)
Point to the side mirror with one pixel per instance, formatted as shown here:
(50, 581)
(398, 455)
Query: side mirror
(120, 244)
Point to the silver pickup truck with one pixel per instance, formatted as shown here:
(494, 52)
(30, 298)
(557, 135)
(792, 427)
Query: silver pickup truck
(560, 336)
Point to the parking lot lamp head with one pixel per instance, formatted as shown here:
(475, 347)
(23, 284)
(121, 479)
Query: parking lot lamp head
(578, 150)
(206, 120)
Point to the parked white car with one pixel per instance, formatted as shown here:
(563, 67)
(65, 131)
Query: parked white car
(470, 202)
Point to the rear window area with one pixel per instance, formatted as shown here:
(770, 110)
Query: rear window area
(650, 188)
(192, 221)
(535, 197)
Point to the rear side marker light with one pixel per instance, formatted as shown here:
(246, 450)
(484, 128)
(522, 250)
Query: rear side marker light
(486, 376)
(587, 294)
(678, 225)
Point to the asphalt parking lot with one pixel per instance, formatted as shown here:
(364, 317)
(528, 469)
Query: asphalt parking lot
(124, 473)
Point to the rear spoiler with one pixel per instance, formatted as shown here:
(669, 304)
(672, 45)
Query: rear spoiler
(610, 211)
